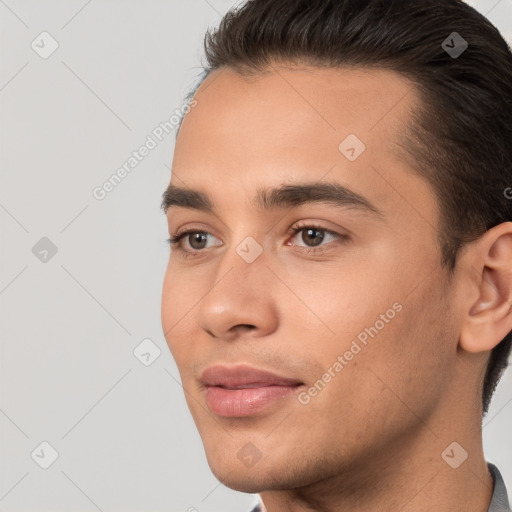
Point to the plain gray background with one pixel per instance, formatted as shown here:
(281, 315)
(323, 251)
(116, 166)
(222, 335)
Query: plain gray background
(71, 320)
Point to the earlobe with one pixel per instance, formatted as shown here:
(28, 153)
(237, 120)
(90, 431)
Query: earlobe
(489, 317)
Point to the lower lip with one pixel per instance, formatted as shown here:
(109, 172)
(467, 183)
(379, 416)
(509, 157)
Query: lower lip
(244, 402)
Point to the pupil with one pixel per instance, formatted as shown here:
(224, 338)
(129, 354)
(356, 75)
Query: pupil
(311, 233)
(199, 237)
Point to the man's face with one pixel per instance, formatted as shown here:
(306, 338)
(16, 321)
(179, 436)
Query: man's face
(363, 326)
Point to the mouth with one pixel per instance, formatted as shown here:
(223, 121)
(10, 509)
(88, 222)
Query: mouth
(239, 402)
(243, 390)
(249, 386)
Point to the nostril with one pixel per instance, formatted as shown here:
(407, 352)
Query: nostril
(248, 327)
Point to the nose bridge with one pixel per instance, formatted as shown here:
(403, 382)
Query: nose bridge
(238, 294)
(245, 255)
(242, 271)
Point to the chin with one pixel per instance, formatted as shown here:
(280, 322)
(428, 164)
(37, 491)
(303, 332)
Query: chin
(248, 484)
(268, 474)
(248, 480)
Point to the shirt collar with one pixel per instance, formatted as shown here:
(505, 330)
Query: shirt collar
(499, 500)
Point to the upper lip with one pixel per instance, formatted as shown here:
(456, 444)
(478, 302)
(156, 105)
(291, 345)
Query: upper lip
(243, 376)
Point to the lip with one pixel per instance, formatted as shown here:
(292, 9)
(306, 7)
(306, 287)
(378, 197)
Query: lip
(243, 376)
(243, 390)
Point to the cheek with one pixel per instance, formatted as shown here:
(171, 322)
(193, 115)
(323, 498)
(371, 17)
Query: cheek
(387, 321)
(168, 301)
(341, 298)
(178, 299)
(181, 292)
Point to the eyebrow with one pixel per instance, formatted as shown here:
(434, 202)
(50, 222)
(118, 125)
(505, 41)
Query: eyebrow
(284, 196)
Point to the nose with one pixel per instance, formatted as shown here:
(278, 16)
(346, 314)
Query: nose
(240, 301)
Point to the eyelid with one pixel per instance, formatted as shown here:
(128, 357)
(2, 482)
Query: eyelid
(301, 225)
(196, 228)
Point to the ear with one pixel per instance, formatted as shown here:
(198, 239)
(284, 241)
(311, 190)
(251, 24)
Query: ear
(488, 318)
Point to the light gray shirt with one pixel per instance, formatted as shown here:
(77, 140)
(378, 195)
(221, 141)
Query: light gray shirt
(499, 499)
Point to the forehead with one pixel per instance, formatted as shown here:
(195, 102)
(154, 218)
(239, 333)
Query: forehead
(290, 124)
(283, 110)
(335, 99)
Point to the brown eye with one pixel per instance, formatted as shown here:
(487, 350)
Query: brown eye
(197, 238)
(312, 235)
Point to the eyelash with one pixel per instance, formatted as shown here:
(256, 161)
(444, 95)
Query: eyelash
(176, 239)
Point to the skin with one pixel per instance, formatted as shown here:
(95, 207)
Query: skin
(372, 439)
